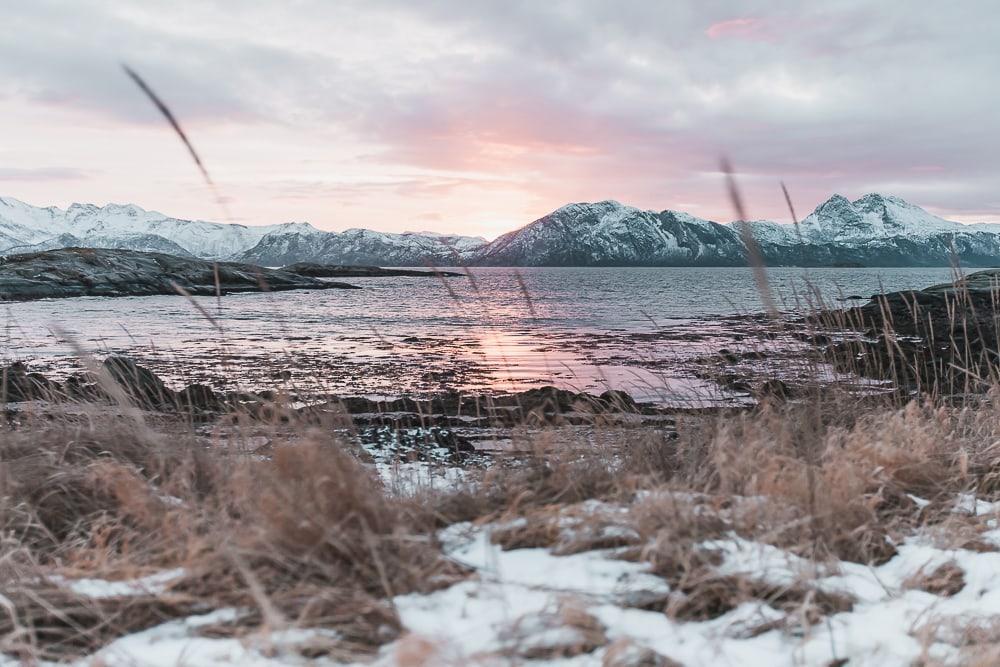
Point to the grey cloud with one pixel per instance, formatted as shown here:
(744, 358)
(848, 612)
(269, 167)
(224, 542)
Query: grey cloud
(842, 95)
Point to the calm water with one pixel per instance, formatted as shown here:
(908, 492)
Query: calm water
(587, 328)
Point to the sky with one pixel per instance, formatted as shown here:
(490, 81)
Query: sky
(476, 117)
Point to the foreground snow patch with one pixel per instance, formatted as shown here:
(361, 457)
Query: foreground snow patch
(531, 606)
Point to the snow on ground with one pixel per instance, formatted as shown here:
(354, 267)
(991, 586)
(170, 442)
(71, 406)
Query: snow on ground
(531, 602)
(101, 588)
(890, 624)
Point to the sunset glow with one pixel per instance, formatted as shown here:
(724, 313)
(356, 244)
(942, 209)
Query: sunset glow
(480, 117)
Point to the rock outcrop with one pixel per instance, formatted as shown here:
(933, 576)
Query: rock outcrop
(943, 338)
(72, 272)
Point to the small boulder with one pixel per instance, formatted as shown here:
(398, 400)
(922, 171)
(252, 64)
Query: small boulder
(543, 399)
(618, 401)
(17, 383)
(141, 385)
(199, 398)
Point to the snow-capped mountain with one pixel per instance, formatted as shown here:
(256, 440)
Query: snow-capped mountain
(140, 242)
(876, 216)
(609, 233)
(26, 228)
(874, 230)
(877, 230)
(363, 246)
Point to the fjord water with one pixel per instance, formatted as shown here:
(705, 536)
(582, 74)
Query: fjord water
(504, 329)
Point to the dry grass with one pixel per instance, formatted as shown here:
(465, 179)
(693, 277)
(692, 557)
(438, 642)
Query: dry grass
(305, 535)
(308, 537)
(305, 538)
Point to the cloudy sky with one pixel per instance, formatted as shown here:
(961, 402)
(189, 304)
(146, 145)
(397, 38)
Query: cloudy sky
(478, 116)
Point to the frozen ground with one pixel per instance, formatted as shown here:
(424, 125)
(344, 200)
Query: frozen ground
(531, 606)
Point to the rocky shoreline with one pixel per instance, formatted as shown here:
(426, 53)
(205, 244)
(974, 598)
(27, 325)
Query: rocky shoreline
(449, 427)
(75, 272)
(943, 339)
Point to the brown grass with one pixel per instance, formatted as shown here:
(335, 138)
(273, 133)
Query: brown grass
(305, 538)
(302, 533)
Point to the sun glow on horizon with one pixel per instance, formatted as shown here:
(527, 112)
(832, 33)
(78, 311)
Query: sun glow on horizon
(467, 120)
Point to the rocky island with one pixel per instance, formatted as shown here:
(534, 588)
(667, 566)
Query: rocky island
(72, 272)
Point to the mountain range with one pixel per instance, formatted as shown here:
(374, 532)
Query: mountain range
(874, 230)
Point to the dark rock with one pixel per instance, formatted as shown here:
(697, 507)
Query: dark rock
(199, 397)
(729, 355)
(81, 388)
(70, 272)
(17, 383)
(618, 401)
(940, 339)
(543, 399)
(140, 384)
(509, 409)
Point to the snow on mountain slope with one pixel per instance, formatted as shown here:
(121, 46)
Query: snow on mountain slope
(610, 233)
(876, 216)
(22, 223)
(125, 226)
(362, 246)
(26, 228)
(140, 242)
(874, 230)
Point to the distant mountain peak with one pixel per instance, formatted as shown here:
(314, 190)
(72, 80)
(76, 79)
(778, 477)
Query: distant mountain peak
(836, 202)
(874, 229)
(879, 198)
(24, 228)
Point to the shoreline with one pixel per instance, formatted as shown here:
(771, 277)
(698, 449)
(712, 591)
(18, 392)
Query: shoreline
(613, 528)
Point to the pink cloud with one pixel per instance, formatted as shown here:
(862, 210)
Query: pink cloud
(741, 27)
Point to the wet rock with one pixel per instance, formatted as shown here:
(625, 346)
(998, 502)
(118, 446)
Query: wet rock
(541, 405)
(199, 397)
(141, 385)
(543, 399)
(939, 339)
(17, 383)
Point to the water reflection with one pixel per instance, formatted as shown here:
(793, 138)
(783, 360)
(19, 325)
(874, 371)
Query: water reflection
(587, 329)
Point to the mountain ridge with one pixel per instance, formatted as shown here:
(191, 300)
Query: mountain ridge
(874, 229)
